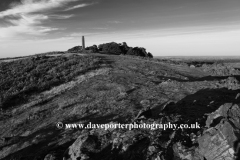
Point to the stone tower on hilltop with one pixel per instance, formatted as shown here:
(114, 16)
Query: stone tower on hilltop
(83, 43)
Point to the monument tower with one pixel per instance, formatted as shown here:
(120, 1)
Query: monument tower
(83, 43)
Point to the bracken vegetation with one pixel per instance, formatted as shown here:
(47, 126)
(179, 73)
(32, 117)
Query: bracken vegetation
(22, 78)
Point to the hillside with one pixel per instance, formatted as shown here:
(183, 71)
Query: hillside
(38, 92)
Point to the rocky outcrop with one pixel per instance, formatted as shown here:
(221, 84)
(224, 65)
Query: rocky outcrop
(220, 69)
(83, 147)
(79, 49)
(217, 142)
(76, 49)
(124, 47)
(112, 48)
(137, 52)
(115, 48)
(132, 91)
(93, 49)
(231, 83)
(110, 144)
(150, 55)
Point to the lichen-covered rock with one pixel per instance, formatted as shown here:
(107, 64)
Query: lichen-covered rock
(217, 142)
(83, 147)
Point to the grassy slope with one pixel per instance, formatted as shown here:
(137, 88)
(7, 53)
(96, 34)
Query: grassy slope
(22, 78)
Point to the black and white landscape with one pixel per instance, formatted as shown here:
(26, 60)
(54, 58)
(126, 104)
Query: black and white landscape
(114, 62)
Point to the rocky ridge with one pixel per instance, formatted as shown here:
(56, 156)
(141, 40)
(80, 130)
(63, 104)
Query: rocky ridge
(129, 90)
(113, 48)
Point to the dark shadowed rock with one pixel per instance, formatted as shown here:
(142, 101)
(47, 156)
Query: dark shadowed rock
(124, 47)
(137, 52)
(150, 55)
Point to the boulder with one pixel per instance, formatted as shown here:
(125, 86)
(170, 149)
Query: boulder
(237, 96)
(218, 142)
(83, 147)
(223, 131)
(192, 66)
(145, 113)
(50, 156)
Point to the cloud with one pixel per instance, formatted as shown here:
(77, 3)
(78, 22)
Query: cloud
(32, 6)
(82, 34)
(98, 28)
(61, 16)
(27, 17)
(79, 6)
(26, 24)
(114, 22)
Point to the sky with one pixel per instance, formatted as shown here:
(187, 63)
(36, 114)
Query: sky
(163, 27)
